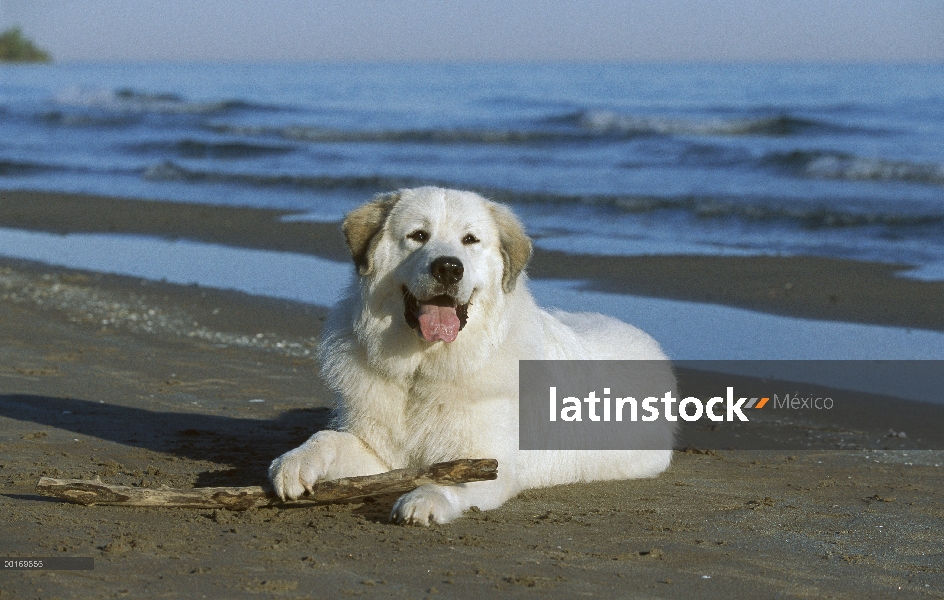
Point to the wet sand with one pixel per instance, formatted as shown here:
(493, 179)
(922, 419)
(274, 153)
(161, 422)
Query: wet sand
(143, 383)
(810, 287)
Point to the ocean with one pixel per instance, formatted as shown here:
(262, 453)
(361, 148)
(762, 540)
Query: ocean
(724, 159)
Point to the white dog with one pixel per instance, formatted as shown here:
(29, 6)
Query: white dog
(423, 351)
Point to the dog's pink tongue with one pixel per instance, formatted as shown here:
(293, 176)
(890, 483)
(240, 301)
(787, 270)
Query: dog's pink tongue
(438, 322)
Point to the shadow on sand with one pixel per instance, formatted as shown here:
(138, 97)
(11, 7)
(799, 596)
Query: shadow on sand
(246, 446)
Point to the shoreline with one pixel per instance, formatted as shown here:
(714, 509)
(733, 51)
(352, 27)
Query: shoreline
(807, 287)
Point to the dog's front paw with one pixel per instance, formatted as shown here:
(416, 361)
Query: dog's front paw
(326, 455)
(425, 504)
(293, 473)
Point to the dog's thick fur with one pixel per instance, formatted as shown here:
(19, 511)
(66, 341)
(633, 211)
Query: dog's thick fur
(405, 401)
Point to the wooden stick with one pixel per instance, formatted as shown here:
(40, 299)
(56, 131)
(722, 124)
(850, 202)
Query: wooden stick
(83, 491)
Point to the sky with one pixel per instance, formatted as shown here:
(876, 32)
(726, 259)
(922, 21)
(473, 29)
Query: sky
(483, 30)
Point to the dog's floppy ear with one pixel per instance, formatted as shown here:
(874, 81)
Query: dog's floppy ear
(515, 245)
(362, 225)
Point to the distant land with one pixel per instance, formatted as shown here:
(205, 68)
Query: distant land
(16, 48)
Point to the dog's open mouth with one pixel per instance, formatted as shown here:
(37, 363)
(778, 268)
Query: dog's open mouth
(438, 318)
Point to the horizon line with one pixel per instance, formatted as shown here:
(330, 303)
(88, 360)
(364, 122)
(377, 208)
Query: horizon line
(490, 62)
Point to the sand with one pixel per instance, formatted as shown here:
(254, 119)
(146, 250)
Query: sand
(151, 384)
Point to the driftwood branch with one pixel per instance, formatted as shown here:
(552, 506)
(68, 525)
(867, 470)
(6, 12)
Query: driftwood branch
(399, 481)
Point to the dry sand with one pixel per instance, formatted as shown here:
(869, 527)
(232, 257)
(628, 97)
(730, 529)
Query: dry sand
(152, 384)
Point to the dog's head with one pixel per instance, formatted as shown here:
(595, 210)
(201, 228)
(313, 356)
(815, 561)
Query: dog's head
(440, 252)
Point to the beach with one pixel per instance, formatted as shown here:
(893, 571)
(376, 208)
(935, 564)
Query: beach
(150, 383)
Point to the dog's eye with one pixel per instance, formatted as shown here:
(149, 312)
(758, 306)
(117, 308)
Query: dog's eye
(470, 239)
(420, 236)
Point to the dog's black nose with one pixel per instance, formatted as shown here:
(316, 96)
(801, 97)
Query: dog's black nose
(446, 269)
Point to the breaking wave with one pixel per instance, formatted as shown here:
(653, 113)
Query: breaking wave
(133, 101)
(416, 136)
(582, 126)
(603, 122)
(848, 167)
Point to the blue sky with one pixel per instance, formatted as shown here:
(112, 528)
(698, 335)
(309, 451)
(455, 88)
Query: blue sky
(476, 30)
